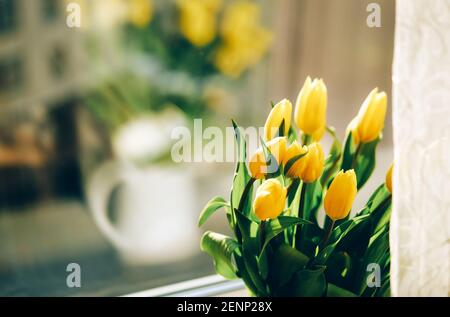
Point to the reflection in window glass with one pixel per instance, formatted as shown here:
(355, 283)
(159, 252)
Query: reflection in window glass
(50, 9)
(86, 172)
(7, 15)
(10, 74)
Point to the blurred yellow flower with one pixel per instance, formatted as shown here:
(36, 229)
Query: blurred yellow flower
(140, 12)
(341, 195)
(281, 111)
(369, 122)
(389, 178)
(270, 199)
(198, 19)
(245, 41)
(257, 163)
(311, 108)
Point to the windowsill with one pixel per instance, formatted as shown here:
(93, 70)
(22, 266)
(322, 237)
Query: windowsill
(213, 285)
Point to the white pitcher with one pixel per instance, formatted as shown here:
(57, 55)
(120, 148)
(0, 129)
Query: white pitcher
(155, 221)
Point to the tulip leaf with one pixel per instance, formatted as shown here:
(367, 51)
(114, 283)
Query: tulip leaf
(293, 192)
(349, 152)
(221, 248)
(251, 266)
(276, 226)
(212, 206)
(272, 167)
(241, 176)
(336, 291)
(285, 262)
(365, 162)
(249, 231)
(375, 253)
(292, 134)
(333, 161)
(336, 236)
(306, 283)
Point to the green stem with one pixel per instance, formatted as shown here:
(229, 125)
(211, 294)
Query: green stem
(262, 233)
(300, 213)
(306, 139)
(355, 156)
(327, 234)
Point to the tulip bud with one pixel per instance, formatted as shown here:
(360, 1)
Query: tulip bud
(369, 122)
(341, 195)
(294, 150)
(310, 167)
(281, 111)
(270, 199)
(311, 108)
(314, 163)
(258, 165)
(389, 178)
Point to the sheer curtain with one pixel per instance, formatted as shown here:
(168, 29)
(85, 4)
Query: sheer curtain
(421, 118)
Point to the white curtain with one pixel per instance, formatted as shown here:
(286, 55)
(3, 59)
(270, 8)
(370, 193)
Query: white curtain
(421, 117)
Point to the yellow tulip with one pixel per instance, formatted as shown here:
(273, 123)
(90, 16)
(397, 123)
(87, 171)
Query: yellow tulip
(308, 168)
(140, 12)
(311, 108)
(295, 149)
(341, 195)
(281, 111)
(270, 199)
(197, 22)
(314, 163)
(258, 165)
(369, 122)
(389, 178)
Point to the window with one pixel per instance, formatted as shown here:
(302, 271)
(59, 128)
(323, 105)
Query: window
(112, 91)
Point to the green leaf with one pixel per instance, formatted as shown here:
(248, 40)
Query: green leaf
(249, 231)
(375, 253)
(273, 169)
(365, 162)
(339, 233)
(307, 283)
(292, 134)
(349, 151)
(278, 225)
(221, 248)
(252, 268)
(336, 291)
(241, 176)
(333, 161)
(211, 207)
(284, 263)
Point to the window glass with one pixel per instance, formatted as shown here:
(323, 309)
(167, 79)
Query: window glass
(92, 201)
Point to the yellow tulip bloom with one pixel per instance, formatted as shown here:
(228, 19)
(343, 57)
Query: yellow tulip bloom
(308, 168)
(311, 108)
(389, 178)
(281, 111)
(295, 149)
(369, 122)
(314, 163)
(258, 165)
(341, 195)
(270, 199)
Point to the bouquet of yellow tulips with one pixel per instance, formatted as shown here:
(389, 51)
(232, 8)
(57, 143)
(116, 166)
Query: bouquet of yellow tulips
(280, 247)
